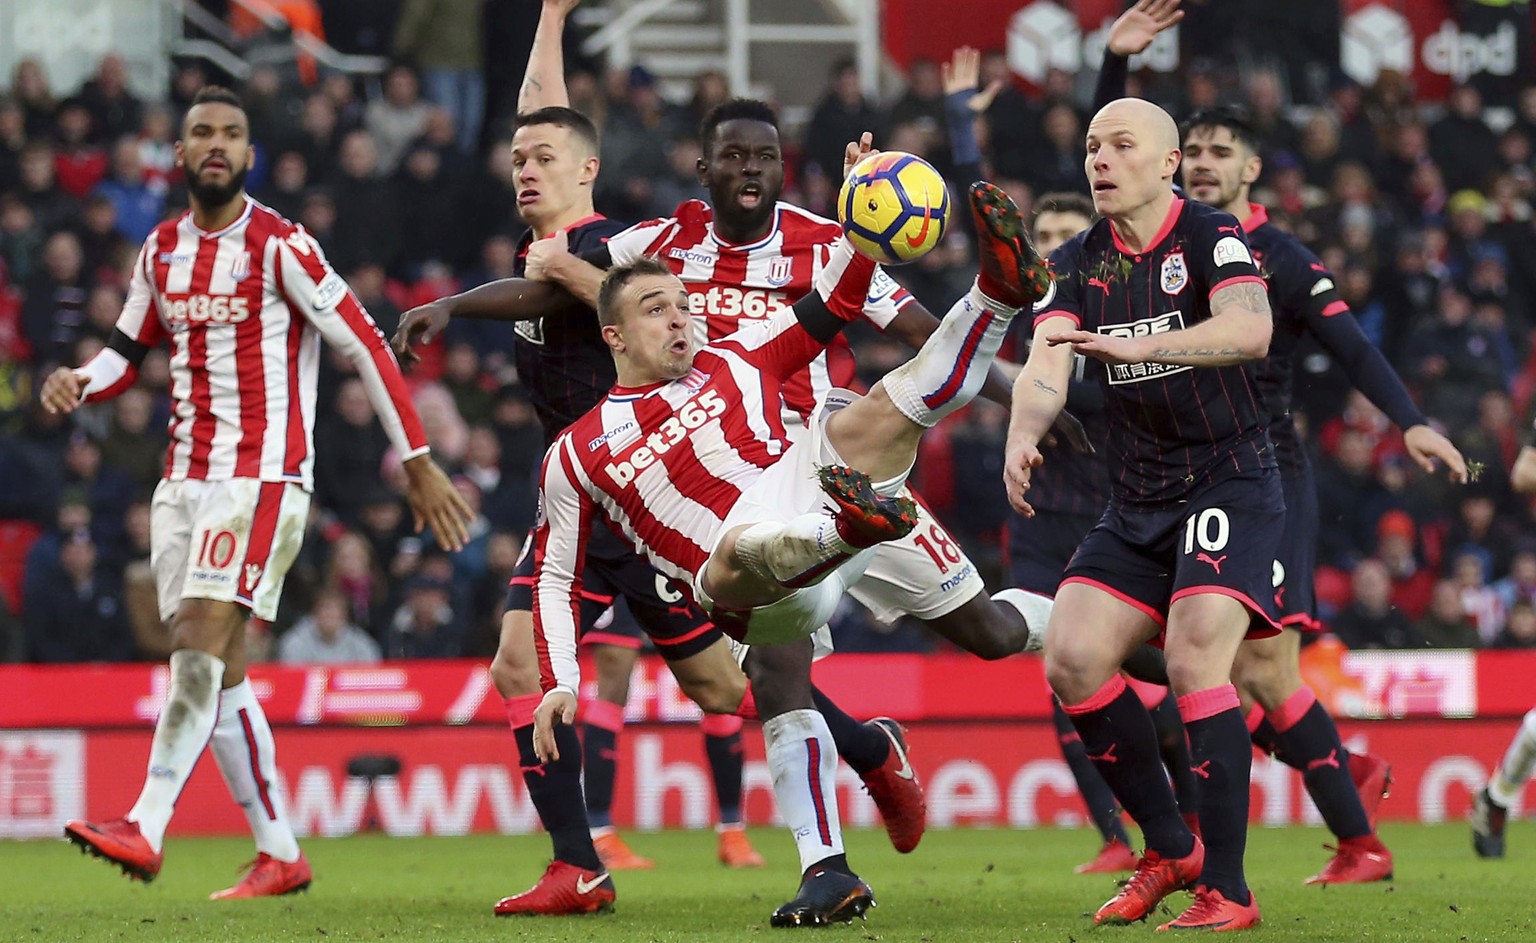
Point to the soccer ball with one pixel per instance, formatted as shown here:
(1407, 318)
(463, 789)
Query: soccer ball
(894, 207)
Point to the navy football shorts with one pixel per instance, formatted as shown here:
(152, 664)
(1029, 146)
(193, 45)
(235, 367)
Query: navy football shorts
(1295, 594)
(676, 627)
(1224, 540)
(1040, 548)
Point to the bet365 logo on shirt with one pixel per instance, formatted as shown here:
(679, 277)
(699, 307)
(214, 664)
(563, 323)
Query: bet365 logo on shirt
(1120, 373)
(695, 413)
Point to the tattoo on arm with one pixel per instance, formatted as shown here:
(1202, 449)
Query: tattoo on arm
(1045, 387)
(1246, 296)
(532, 84)
(1161, 352)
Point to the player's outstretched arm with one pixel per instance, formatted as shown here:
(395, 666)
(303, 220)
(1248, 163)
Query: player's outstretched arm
(544, 80)
(1238, 330)
(506, 299)
(558, 551)
(1039, 394)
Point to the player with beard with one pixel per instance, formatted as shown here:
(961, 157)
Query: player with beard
(1221, 164)
(244, 297)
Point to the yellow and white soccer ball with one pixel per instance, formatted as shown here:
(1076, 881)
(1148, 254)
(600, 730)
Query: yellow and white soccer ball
(894, 207)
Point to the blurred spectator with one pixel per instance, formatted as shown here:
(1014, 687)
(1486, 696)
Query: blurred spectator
(74, 608)
(1469, 569)
(463, 380)
(396, 119)
(13, 137)
(349, 446)
(635, 137)
(1371, 621)
(137, 202)
(151, 635)
(1056, 161)
(286, 184)
(29, 85)
(327, 636)
(1412, 583)
(319, 137)
(922, 106)
(114, 110)
(425, 625)
(1453, 360)
(1350, 501)
(133, 445)
(1445, 625)
(1520, 629)
(469, 563)
(367, 208)
(106, 253)
(353, 573)
(427, 195)
(77, 162)
(105, 489)
(1464, 148)
(445, 40)
(841, 116)
(51, 207)
(482, 465)
(489, 593)
(1478, 525)
(54, 311)
(681, 181)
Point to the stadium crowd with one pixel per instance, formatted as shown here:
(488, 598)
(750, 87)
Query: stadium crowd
(1422, 210)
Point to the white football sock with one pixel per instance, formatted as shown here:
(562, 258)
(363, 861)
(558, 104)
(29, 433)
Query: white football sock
(1036, 610)
(949, 369)
(247, 756)
(1519, 760)
(803, 760)
(185, 724)
(794, 553)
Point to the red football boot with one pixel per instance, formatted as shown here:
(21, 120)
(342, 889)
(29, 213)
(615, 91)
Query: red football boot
(617, 856)
(1360, 860)
(564, 889)
(269, 877)
(897, 793)
(120, 842)
(864, 516)
(1116, 856)
(1012, 272)
(1214, 913)
(1373, 780)
(736, 851)
(1155, 878)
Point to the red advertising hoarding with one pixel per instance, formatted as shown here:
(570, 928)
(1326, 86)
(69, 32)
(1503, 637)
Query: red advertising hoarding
(459, 780)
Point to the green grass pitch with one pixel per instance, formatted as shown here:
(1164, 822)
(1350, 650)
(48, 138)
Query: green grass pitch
(958, 886)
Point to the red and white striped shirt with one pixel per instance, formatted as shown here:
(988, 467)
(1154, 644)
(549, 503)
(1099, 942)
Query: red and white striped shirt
(730, 283)
(664, 464)
(244, 309)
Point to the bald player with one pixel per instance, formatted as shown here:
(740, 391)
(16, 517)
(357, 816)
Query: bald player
(1164, 298)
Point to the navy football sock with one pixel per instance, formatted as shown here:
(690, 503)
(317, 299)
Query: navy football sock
(1102, 807)
(1173, 744)
(1223, 758)
(1120, 741)
(555, 789)
(725, 766)
(1267, 739)
(1319, 754)
(861, 746)
(599, 758)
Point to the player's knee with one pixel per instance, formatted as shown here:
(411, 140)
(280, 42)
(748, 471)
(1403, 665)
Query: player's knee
(513, 678)
(716, 695)
(205, 625)
(1073, 679)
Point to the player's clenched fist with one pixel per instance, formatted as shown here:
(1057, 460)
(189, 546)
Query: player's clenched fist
(1019, 462)
(61, 391)
(557, 707)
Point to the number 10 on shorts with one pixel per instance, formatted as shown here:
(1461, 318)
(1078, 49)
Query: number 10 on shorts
(1210, 528)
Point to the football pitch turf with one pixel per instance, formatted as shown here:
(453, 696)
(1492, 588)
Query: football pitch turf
(980, 885)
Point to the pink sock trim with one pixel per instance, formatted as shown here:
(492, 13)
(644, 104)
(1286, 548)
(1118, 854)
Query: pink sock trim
(520, 709)
(721, 725)
(748, 706)
(1151, 694)
(604, 715)
(1294, 708)
(1255, 717)
(1100, 699)
(1198, 705)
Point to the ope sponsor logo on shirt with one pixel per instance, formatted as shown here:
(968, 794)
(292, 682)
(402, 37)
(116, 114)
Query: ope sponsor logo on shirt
(216, 309)
(729, 302)
(1120, 373)
(695, 413)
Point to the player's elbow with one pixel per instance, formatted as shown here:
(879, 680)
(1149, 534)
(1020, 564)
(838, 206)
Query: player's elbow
(1257, 338)
(1523, 476)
